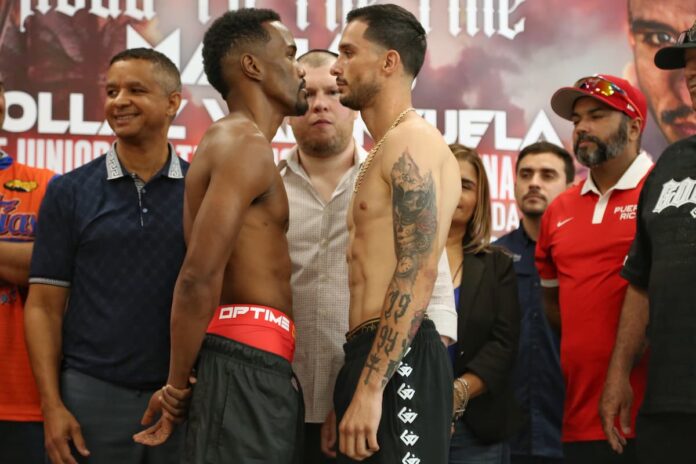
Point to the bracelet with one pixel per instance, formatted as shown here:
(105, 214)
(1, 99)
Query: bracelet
(465, 400)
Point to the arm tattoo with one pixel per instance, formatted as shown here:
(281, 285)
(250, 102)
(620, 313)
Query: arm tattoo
(371, 365)
(393, 365)
(403, 301)
(387, 339)
(414, 209)
(415, 215)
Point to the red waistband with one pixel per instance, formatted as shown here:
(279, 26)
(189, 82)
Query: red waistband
(260, 327)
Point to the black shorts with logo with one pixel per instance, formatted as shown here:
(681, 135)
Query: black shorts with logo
(417, 403)
(246, 408)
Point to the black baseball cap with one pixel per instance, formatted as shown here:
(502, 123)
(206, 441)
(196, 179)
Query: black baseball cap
(674, 57)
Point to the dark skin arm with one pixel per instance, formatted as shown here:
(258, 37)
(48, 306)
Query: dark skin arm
(15, 258)
(43, 323)
(414, 206)
(617, 396)
(552, 308)
(236, 179)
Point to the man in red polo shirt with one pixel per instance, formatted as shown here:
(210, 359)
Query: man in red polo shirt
(585, 236)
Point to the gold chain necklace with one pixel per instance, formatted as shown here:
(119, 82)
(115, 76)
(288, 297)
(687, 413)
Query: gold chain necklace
(366, 164)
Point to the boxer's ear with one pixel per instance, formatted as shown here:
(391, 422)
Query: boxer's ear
(392, 62)
(251, 66)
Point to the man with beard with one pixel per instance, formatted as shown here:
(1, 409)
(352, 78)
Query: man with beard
(544, 171)
(394, 393)
(319, 174)
(584, 237)
(653, 26)
(246, 405)
(659, 304)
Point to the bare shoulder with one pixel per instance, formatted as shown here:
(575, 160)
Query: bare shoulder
(232, 140)
(417, 140)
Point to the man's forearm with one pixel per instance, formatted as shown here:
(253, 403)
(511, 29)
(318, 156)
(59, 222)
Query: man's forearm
(43, 331)
(402, 314)
(192, 308)
(630, 336)
(15, 258)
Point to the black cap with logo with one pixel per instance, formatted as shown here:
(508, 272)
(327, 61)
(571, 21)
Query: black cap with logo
(674, 57)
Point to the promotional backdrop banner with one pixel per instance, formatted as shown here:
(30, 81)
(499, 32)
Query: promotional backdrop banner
(491, 68)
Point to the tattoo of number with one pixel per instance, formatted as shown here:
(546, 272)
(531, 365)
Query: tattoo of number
(414, 208)
(387, 339)
(393, 296)
(371, 365)
(404, 300)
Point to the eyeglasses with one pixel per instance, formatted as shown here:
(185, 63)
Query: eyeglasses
(597, 84)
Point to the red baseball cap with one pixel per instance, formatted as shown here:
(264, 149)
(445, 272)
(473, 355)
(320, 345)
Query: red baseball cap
(611, 90)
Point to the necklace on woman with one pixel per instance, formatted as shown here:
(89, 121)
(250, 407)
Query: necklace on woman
(366, 164)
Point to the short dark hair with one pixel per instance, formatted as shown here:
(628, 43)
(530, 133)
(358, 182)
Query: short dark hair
(394, 28)
(229, 31)
(548, 147)
(172, 78)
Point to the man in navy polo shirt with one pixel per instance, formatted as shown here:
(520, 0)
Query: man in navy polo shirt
(108, 249)
(543, 171)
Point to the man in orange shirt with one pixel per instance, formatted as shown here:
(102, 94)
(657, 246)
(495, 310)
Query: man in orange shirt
(21, 190)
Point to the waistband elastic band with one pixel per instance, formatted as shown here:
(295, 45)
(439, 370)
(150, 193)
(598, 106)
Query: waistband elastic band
(260, 327)
(369, 325)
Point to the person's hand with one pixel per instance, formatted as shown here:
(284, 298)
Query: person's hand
(328, 435)
(156, 434)
(616, 400)
(357, 433)
(60, 428)
(172, 404)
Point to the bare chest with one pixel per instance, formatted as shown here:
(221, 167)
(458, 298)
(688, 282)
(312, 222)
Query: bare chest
(270, 209)
(371, 204)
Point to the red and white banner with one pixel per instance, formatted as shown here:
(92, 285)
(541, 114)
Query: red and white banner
(491, 68)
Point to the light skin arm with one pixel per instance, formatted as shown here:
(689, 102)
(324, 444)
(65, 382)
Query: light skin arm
(617, 396)
(43, 323)
(552, 308)
(15, 258)
(234, 184)
(414, 207)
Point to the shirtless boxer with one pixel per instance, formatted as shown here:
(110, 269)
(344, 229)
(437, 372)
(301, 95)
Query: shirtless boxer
(393, 396)
(245, 407)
